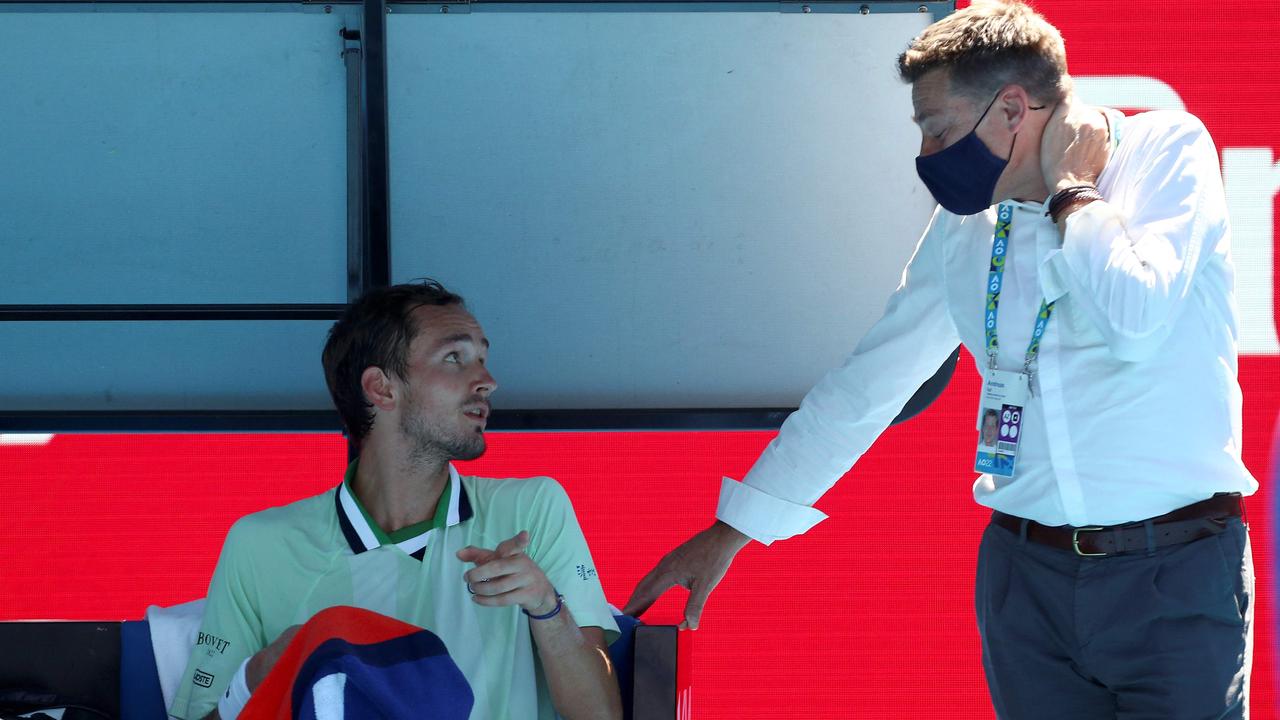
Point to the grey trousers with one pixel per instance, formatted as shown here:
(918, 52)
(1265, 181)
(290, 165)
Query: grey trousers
(1160, 635)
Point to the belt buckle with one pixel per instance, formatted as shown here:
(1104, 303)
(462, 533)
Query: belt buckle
(1075, 541)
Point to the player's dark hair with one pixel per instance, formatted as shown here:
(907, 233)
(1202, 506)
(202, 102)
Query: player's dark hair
(374, 331)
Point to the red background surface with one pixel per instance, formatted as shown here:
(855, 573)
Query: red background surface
(868, 615)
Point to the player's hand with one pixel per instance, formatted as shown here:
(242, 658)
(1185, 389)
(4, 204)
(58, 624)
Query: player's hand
(1075, 146)
(697, 565)
(505, 575)
(262, 661)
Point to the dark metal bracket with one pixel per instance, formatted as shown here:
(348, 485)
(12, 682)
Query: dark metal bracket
(172, 312)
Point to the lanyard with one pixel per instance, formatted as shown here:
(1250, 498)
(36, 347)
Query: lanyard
(995, 278)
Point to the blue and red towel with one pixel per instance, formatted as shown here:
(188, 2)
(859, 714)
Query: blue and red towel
(351, 664)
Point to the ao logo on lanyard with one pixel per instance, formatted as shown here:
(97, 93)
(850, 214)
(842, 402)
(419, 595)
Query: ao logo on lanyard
(1004, 393)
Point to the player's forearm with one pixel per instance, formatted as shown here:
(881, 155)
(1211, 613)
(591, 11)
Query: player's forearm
(578, 671)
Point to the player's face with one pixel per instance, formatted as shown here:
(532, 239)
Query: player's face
(446, 404)
(990, 430)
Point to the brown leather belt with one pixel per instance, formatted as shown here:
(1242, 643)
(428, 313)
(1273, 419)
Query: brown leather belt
(1195, 521)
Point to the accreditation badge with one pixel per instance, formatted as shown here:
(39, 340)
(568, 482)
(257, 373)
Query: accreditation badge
(1000, 413)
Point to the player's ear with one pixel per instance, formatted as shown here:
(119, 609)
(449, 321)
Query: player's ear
(378, 388)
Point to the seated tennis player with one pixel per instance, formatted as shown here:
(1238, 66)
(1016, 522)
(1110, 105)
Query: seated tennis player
(497, 569)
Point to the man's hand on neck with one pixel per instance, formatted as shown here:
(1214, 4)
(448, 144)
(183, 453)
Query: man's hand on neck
(1074, 147)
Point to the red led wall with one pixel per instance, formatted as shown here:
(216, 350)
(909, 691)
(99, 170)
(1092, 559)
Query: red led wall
(869, 615)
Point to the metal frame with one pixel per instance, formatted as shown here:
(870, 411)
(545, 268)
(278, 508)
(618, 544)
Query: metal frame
(368, 229)
(876, 6)
(375, 180)
(568, 420)
(353, 58)
(161, 312)
(169, 421)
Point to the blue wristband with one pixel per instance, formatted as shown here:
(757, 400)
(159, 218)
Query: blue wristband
(553, 613)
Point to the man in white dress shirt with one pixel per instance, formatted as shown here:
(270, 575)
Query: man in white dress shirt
(1082, 257)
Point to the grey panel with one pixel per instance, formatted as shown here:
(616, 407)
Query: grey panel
(646, 209)
(172, 157)
(656, 209)
(163, 366)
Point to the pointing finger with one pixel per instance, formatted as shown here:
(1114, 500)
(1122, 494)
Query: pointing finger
(476, 555)
(514, 545)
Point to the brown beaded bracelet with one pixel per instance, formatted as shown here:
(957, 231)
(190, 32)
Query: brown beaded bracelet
(1066, 197)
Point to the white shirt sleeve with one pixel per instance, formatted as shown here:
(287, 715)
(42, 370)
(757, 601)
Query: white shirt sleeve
(849, 408)
(1130, 263)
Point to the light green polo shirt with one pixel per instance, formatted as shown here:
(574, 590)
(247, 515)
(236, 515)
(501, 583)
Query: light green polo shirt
(280, 566)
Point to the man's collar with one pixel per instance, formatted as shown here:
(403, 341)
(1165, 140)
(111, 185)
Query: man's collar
(361, 535)
(1033, 206)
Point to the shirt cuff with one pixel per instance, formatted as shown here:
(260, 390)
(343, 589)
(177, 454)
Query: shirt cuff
(761, 516)
(232, 702)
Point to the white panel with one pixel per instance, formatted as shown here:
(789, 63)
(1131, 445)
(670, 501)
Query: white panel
(258, 365)
(656, 209)
(646, 209)
(172, 157)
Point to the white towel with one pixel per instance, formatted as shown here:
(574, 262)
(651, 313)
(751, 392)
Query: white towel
(173, 635)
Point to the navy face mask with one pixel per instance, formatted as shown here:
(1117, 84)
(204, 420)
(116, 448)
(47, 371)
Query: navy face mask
(963, 176)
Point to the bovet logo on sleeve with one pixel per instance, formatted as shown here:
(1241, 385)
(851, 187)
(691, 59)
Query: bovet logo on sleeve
(203, 679)
(586, 573)
(213, 642)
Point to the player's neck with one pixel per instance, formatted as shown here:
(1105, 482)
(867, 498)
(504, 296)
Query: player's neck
(399, 491)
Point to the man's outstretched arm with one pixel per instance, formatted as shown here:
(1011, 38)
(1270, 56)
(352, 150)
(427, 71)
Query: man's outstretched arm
(838, 419)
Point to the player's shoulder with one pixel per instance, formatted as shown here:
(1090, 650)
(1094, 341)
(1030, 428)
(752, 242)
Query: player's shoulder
(513, 494)
(274, 521)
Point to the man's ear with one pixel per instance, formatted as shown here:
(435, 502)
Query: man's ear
(1013, 105)
(377, 387)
